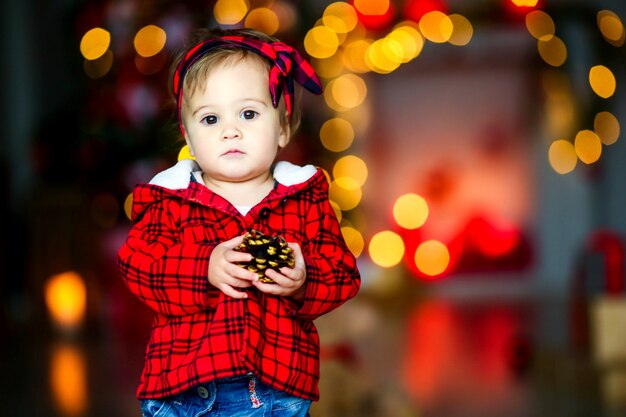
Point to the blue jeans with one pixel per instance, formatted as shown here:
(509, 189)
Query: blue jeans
(243, 396)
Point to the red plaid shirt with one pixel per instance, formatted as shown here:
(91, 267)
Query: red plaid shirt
(199, 334)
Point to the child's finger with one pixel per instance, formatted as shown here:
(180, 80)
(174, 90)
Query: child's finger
(231, 292)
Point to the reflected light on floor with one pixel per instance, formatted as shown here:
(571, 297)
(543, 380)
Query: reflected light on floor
(68, 380)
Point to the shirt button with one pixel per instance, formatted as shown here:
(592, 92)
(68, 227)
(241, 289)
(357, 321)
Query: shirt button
(203, 393)
(264, 213)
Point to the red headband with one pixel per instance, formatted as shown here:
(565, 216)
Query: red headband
(287, 62)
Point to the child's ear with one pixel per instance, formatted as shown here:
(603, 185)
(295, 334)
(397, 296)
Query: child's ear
(285, 135)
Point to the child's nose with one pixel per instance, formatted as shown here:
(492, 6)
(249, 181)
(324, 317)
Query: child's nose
(231, 131)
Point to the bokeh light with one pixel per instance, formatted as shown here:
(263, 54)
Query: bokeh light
(602, 81)
(409, 40)
(330, 67)
(230, 12)
(66, 299)
(263, 19)
(384, 55)
(386, 249)
(128, 206)
(346, 193)
(607, 127)
(336, 134)
(354, 240)
(95, 43)
(321, 42)
(432, 258)
(340, 17)
(552, 50)
(149, 41)
(410, 211)
(462, 30)
(99, 67)
(436, 26)
(354, 55)
(562, 156)
(540, 25)
(588, 146)
(372, 7)
(611, 27)
(350, 166)
(68, 380)
(347, 92)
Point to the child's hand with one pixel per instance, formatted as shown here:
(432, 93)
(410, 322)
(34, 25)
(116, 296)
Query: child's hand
(224, 274)
(287, 281)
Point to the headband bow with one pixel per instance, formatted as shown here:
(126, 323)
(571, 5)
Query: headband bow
(288, 65)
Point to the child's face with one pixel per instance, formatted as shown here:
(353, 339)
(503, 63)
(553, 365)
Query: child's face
(231, 126)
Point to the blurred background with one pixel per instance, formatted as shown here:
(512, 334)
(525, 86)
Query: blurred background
(476, 164)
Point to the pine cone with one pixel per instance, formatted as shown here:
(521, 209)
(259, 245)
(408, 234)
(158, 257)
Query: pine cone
(267, 252)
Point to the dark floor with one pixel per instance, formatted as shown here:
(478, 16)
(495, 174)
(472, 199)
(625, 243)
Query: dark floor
(418, 354)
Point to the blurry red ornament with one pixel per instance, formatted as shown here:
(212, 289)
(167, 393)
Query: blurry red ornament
(376, 21)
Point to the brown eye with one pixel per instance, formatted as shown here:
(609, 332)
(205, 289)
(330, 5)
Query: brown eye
(249, 114)
(210, 120)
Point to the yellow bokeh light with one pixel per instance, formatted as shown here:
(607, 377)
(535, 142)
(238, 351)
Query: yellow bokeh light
(602, 81)
(337, 210)
(66, 299)
(386, 249)
(337, 134)
(351, 166)
(330, 67)
(185, 153)
(340, 17)
(95, 43)
(354, 240)
(372, 7)
(607, 127)
(230, 12)
(378, 55)
(525, 3)
(98, 68)
(263, 19)
(354, 55)
(128, 205)
(68, 380)
(346, 193)
(321, 42)
(436, 26)
(588, 146)
(348, 90)
(552, 50)
(432, 257)
(410, 41)
(540, 25)
(611, 27)
(149, 41)
(410, 211)
(462, 30)
(562, 156)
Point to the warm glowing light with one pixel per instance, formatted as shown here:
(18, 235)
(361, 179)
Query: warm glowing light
(263, 19)
(462, 30)
(372, 7)
(432, 257)
(128, 206)
(602, 81)
(410, 211)
(354, 55)
(149, 41)
(350, 166)
(540, 25)
(337, 134)
(348, 91)
(185, 153)
(230, 12)
(386, 249)
(436, 26)
(66, 299)
(553, 51)
(346, 193)
(560, 104)
(611, 27)
(384, 56)
(562, 156)
(340, 17)
(525, 3)
(588, 146)
(321, 42)
(98, 68)
(337, 210)
(353, 239)
(95, 43)
(68, 380)
(330, 67)
(606, 127)
(409, 41)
